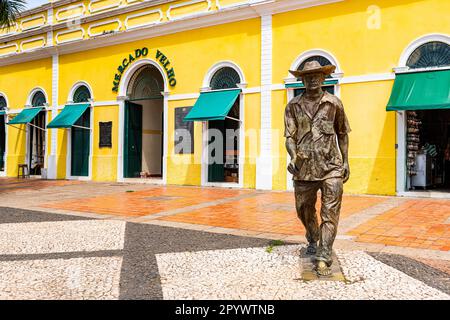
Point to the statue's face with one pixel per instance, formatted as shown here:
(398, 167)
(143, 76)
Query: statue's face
(313, 81)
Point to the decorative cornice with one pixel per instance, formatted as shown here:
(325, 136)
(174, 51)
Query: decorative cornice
(212, 18)
(84, 19)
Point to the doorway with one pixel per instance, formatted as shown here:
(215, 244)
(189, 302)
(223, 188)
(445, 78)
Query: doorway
(428, 150)
(36, 136)
(2, 142)
(36, 144)
(225, 169)
(80, 136)
(143, 125)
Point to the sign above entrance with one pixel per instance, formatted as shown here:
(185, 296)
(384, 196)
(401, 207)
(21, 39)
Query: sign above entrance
(138, 53)
(125, 63)
(166, 63)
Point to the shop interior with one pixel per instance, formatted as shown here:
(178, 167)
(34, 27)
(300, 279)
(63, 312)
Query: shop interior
(36, 147)
(228, 170)
(144, 132)
(428, 150)
(2, 142)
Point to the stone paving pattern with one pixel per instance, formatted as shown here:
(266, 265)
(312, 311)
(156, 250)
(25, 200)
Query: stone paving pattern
(254, 273)
(85, 240)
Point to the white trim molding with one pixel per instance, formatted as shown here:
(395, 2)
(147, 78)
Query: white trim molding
(121, 98)
(94, 25)
(33, 92)
(264, 161)
(44, 40)
(126, 77)
(9, 45)
(31, 18)
(161, 15)
(368, 78)
(311, 53)
(76, 15)
(110, 6)
(76, 86)
(67, 32)
(219, 65)
(185, 96)
(420, 41)
(190, 14)
(4, 173)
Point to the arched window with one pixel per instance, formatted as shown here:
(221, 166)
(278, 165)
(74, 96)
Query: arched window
(146, 83)
(2, 103)
(81, 94)
(225, 78)
(431, 54)
(322, 60)
(38, 99)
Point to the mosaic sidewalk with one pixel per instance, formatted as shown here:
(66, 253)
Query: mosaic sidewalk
(367, 222)
(51, 256)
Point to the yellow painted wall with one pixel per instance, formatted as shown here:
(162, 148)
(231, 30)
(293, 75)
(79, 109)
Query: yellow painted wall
(16, 83)
(61, 153)
(191, 55)
(343, 30)
(252, 116)
(365, 37)
(183, 168)
(349, 30)
(104, 160)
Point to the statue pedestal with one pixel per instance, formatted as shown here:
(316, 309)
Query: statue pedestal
(308, 272)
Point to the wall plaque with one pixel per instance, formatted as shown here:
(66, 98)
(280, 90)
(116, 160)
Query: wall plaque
(105, 134)
(183, 128)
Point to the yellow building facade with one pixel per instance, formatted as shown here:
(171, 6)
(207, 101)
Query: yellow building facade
(134, 69)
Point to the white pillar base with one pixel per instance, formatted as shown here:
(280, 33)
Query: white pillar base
(264, 173)
(51, 169)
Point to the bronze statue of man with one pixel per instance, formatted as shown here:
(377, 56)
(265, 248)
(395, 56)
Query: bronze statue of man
(319, 161)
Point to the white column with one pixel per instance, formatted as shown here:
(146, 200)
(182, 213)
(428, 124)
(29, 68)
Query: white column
(264, 161)
(50, 22)
(401, 151)
(52, 162)
(165, 135)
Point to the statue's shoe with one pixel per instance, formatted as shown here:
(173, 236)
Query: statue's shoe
(323, 270)
(311, 248)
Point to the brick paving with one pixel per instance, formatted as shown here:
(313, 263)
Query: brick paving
(24, 185)
(388, 221)
(415, 223)
(269, 212)
(188, 238)
(146, 202)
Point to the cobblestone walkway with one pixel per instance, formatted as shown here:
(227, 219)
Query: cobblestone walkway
(85, 240)
(50, 256)
(369, 222)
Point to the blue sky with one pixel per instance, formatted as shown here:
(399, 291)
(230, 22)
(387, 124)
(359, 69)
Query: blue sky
(35, 3)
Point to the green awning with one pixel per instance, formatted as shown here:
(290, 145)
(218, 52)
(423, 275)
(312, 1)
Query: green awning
(213, 105)
(301, 85)
(420, 91)
(25, 116)
(68, 116)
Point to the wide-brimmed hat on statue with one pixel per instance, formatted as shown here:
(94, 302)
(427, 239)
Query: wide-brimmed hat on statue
(313, 67)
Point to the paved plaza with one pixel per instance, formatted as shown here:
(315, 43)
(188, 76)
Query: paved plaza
(86, 240)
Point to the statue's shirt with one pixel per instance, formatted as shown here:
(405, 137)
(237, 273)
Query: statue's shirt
(318, 154)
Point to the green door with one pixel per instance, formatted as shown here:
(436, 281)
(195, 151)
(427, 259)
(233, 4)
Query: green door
(2, 142)
(132, 156)
(80, 146)
(216, 172)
